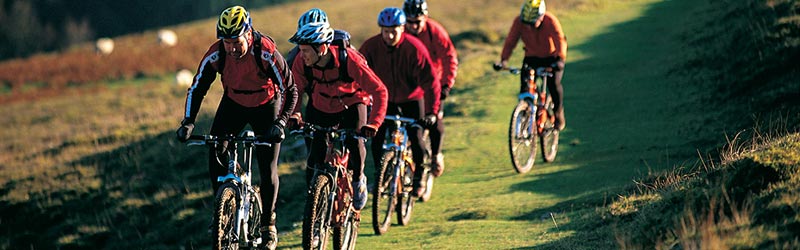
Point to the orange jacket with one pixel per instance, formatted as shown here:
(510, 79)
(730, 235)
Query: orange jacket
(546, 41)
(443, 52)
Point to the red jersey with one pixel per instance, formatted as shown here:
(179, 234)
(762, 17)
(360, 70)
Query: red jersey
(546, 41)
(332, 95)
(443, 52)
(241, 80)
(406, 70)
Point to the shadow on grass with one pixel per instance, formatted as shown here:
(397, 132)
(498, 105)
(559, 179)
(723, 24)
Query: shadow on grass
(149, 194)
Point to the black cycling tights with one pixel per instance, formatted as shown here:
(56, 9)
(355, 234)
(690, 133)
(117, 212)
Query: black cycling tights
(352, 118)
(231, 118)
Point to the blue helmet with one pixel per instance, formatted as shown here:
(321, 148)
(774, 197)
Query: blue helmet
(313, 34)
(314, 15)
(391, 16)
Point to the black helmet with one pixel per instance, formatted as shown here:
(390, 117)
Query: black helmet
(415, 8)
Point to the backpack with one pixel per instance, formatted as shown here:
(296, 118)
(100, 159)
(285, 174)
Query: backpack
(341, 39)
(257, 51)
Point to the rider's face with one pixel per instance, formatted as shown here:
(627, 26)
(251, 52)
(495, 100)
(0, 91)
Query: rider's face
(236, 47)
(391, 35)
(416, 24)
(311, 54)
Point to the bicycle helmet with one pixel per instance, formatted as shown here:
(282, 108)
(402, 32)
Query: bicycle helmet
(314, 15)
(312, 34)
(415, 8)
(391, 16)
(233, 22)
(531, 10)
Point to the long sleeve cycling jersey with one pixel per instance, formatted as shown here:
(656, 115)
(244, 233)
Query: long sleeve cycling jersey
(406, 70)
(443, 52)
(330, 94)
(242, 80)
(546, 41)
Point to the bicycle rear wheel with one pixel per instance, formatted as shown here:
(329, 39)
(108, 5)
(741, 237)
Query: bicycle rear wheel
(405, 200)
(427, 175)
(226, 205)
(522, 137)
(384, 200)
(344, 237)
(315, 222)
(549, 137)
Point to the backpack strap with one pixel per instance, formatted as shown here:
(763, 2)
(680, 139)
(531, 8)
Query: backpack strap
(344, 75)
(268, 56)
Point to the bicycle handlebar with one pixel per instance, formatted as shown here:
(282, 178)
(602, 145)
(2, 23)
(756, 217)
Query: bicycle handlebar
(408, 120)
(308, 130)
(196, 140)
(540, 71)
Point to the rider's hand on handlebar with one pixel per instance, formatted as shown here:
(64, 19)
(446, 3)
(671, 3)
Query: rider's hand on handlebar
(184, 131)
(429, 120)
(500, 65)
(369, 130)
(276, 132)
(295, 122)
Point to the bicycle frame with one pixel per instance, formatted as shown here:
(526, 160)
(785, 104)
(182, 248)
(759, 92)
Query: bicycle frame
(240, 177)
(398, 142)
(536, 96)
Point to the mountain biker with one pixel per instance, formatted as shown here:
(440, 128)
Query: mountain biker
(258, 90)
(336, 101)
(403, 64)
(545, 46)
(445, 64)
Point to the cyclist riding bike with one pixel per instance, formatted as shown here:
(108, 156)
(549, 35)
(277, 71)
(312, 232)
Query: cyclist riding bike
(545, 46)
(258, 90)
(403, 64)
(336, 101)
(445, 63)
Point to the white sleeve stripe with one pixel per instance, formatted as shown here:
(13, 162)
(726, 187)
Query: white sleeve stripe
(213, 57)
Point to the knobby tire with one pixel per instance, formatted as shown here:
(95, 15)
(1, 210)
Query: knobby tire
(315, 221)
(522, 137)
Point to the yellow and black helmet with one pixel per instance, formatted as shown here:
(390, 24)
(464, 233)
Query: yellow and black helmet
(532, 10)
(233, 22)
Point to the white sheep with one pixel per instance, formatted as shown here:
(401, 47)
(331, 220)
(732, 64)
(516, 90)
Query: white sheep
(104, 46)
(167, 38)
(184, 78)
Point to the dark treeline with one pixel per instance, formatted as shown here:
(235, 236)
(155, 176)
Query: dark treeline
(31, 26)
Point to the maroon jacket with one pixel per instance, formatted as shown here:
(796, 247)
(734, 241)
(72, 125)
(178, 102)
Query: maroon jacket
(406, 69)
(443, 52)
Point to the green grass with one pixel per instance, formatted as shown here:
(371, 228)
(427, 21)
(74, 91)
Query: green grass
(98, 168)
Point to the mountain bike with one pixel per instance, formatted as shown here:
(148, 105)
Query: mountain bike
(532, 118)
(329, 205)
(237, 204)
(395, 175)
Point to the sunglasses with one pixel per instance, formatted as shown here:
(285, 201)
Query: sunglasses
(413, 21)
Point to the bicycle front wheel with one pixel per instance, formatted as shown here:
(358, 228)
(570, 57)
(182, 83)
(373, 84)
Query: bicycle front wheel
(384, 199)
(549, 136)
(315, 223)
(344, 237)
(522, 137)
(224, 229)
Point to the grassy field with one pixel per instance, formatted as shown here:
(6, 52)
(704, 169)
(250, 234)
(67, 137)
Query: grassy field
(97, 167)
